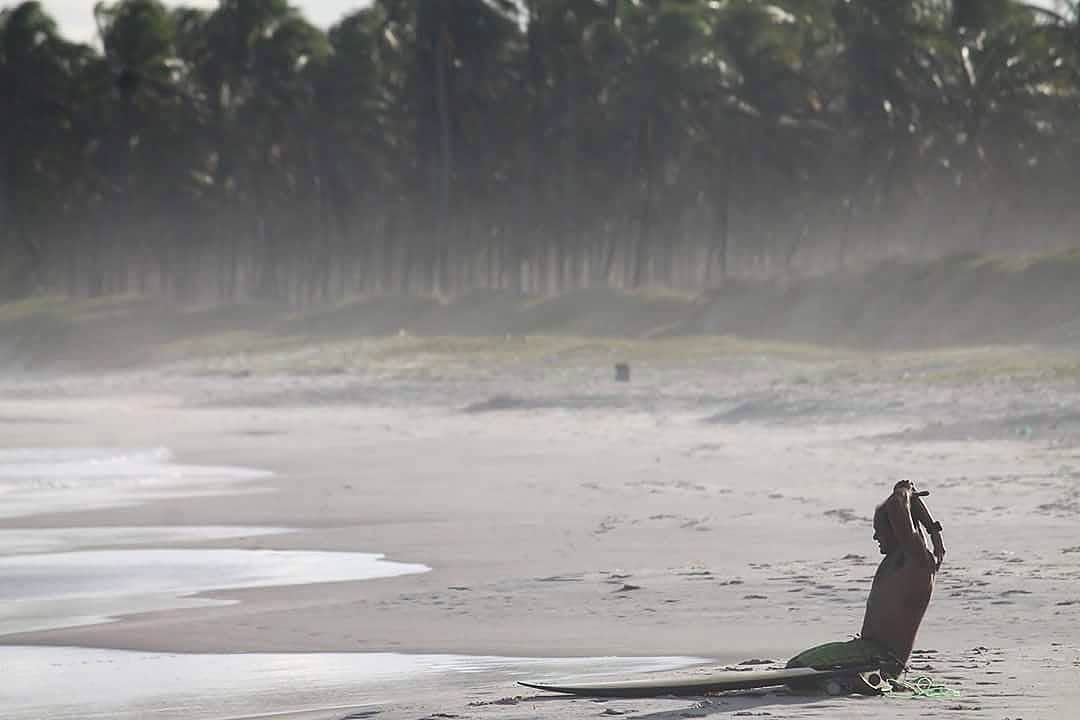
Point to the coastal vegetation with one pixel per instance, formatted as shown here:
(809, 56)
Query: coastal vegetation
(538, 147)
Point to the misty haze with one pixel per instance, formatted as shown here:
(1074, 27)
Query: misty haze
(507, 359)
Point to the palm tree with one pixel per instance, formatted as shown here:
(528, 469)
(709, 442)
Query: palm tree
(142, 158)
(1007, 72)
(36, 71)
(564, 194)
(249, 57)
(658, 45)
(539, 145)
(769, 116)
(456, 47)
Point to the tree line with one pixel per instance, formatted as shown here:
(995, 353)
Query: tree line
(439, 146)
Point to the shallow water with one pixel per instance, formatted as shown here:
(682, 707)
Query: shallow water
(51, 579)
(22, 541)
(54, 590)
(124, 685)
(36, 481)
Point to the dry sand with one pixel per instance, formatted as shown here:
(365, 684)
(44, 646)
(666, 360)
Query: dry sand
(716, 508)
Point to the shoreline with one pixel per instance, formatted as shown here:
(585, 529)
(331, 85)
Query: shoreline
(247, 685)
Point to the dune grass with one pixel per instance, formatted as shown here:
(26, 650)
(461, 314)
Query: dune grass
(926, 320)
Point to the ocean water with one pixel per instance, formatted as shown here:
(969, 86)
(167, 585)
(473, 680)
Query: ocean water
(55, 590)
(56, 577)
(36, 481)
(23, 541)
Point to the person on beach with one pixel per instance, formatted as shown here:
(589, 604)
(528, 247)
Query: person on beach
(900, 593)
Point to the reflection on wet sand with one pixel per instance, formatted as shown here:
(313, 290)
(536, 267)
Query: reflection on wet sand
(124, 685)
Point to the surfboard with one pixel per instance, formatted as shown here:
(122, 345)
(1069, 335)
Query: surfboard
(697, 684)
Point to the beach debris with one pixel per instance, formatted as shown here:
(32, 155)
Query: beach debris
(501, 701)
(622, 372)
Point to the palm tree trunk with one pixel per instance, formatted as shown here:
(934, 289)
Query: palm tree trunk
(443, 102)
(721, 220)
(644, 236)
(19, 241)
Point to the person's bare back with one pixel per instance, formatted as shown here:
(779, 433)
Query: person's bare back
(904, 580)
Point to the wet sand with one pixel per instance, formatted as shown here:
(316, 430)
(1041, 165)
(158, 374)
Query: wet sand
(129, 685)
(718, 512)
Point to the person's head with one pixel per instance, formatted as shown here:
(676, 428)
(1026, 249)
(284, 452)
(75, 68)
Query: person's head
(883, 530)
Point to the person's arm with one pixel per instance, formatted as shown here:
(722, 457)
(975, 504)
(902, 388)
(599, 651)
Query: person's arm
(923, 517)
(899, 508)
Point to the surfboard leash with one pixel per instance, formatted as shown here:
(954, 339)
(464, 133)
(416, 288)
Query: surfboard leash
(924, 686)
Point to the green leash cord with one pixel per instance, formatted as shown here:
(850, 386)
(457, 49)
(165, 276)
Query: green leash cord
(924, 686)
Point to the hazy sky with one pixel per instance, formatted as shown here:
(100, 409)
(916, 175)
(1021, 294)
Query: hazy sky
(76, 17)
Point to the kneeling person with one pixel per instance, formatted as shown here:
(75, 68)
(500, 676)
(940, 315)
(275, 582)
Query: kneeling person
(900, 594)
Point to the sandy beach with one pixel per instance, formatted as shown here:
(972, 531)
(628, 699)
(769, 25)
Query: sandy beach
(714, 510)
(423, 359)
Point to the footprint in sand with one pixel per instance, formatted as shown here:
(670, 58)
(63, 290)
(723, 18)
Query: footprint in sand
(846, 515)
(626, 587)
(607, 525)
(560, 578)
(695, 524)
